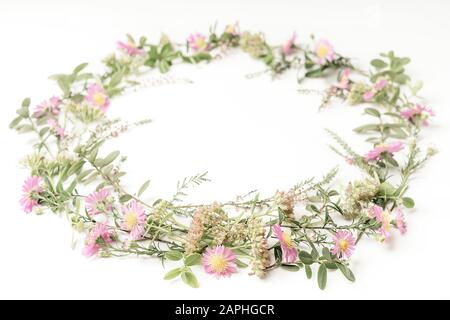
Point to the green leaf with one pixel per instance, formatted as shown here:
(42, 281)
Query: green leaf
(317, 73)
(241, 264)
(366, 128)
(143, 188)
(15, 122)
(378, 63)
(23, 112)
(308, 272)
(125, 198)
(172, 274)
(80, 68)
(322, 276)
(189, 278)
(193, 259)
(173, 255)
(372, 112)
(408, 202)
(110, 158)
(306, 258)
(26, 102)
(290, 267)
(164, 66)
(346, 272)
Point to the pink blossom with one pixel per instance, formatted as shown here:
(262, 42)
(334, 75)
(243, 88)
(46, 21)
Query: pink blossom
(376, 212)
(219, 261)
(31, 188)
(344, 244)
(344, 80)
(131, 49)
(391, 148)
(288, 248)
(98, 236)
(98, 202)
(418, 112)
(383, 217)
(134, 219)
(60, 132)
(400, 221)
(97, 97)
(197, 42)
(378, 86)
(289, 47)
(50, 107)
(324, 51)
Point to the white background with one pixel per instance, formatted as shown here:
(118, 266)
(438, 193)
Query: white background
(248, 133)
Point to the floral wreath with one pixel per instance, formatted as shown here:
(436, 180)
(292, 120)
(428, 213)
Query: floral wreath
(299, 228)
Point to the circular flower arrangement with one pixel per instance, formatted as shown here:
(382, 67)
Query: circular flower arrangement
(310, 226)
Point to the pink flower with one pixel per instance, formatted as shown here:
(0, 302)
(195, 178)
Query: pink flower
(344, 244)
(97, 97)
(418, 112)
(289, 47)
(31, 188)
(50, 107)
(378, 86)
(219, 261)
(60, 132)
(98, 202)
(134, 219)
(375, 153)
(98, 236)
(325, 51)
(287, 244)
(131, 49)
(344, 80)
(400, 221)
(383, 217)
(197, 42)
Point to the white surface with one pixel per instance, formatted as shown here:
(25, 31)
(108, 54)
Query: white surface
(248, 134)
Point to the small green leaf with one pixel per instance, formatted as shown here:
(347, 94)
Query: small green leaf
(172, 274)
(80, 68)
(143, 188)
(15, 122)
(372, 112)
(189, 278)
(306, 258)
(173, 255)
(164, 66)
(23, 112)
(125, 198)
(322, 276)
(26, 102)
(193, 259)
(290, 267)
(378, 63)
(346, 272)
(110, 158)
(408, 202)
(308, 272)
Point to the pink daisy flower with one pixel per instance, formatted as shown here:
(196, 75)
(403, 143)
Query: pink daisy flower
(289, 47)
(376, 153)
(31, 188)
(134, 219)
(376, 212)
(98, 202)
(97, 97)
(344, 244)
(131, 49)
(417, 113)
(400, 221)
(50, 107)
(219, 261)
(378, 86)
(59, 131)
(98, 236)
(324, 51)
(197, 42)
(383, 217)
(288, 248)
(344, 80)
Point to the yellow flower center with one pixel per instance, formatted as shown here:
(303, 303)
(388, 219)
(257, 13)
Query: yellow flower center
(131, 220)
(200, 43)
(230, 29)
(322, 51)
(343, 245)
(99, 99)
(218, 263)
(288, 240)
